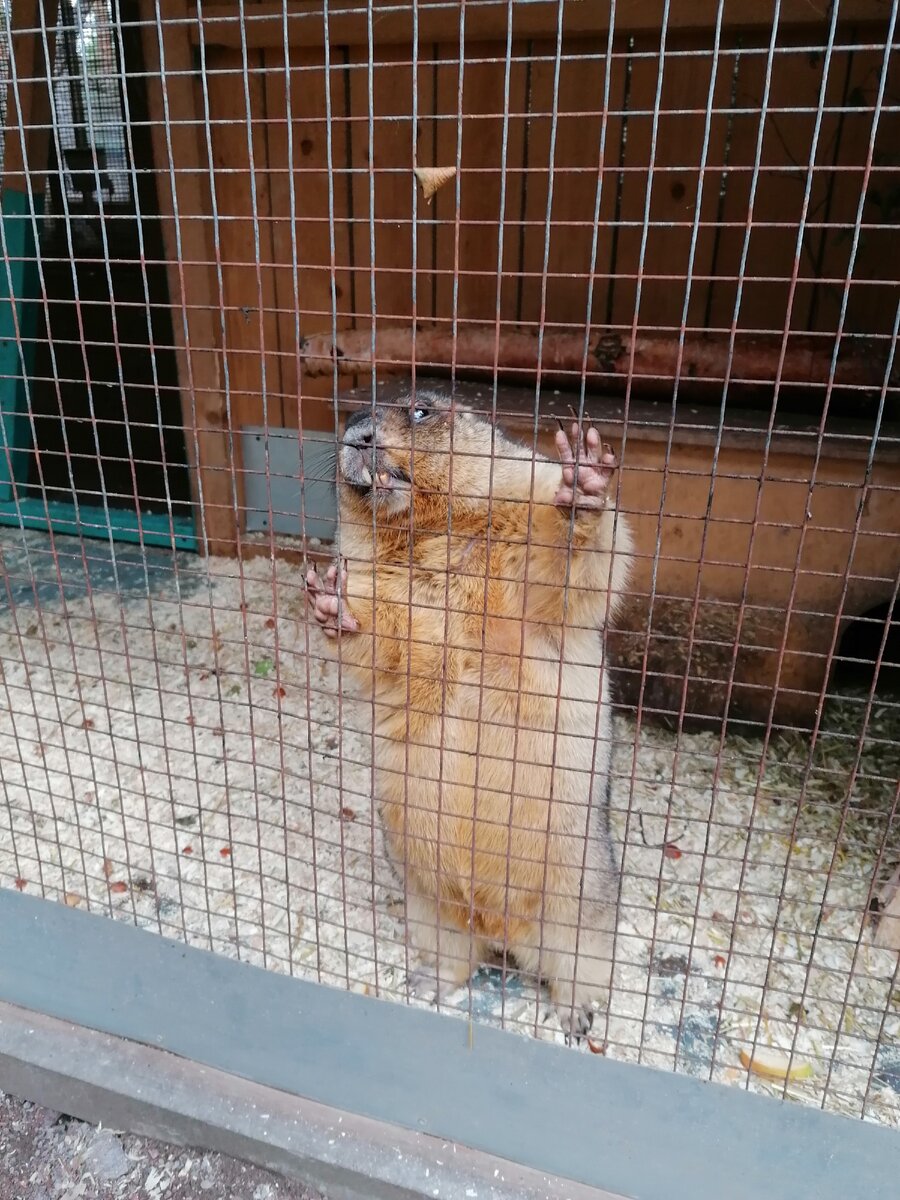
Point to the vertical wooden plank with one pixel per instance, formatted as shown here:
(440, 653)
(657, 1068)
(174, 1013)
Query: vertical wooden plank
(444, 205)
(429, 214)
(241, 180)
(676, 188)
(181, 168)
(28, 101)
(303, 193)
(473, 268)
(26, 143)
(676, 180)
(635, 102)
(872, 295)
(789, 124)
(676, 196)
(575, 160)
(796, 83)
(383, 185)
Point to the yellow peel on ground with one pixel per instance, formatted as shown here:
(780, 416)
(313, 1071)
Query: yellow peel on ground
(769, 1063)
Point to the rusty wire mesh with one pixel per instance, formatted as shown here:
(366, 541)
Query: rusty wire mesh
(687, 235)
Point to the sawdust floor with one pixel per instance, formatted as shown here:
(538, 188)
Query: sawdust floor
(171, 756)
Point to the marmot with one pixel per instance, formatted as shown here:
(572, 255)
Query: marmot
(468, 599)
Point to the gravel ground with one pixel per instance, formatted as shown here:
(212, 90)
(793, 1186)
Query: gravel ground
(45, 1155)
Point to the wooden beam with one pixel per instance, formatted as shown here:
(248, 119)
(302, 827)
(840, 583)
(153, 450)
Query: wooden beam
(612, 358)
(179, 160)
(28, 99)
(262, 25)
(24, 173)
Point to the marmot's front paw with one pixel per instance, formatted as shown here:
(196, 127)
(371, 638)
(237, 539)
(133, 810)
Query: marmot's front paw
(326, 599)
(587, 468)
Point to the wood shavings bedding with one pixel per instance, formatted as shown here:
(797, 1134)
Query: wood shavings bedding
(181, 763)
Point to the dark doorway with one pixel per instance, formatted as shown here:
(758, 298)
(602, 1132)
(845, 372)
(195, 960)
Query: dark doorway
(871, 643)
(104, 393)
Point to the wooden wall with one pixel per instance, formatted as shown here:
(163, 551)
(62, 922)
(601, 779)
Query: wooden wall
(284, 153)
(317, 217)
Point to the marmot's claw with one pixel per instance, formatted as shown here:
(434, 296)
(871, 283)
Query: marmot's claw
(423, 984)
(326, 600)
(576, 1023)
(587, 467)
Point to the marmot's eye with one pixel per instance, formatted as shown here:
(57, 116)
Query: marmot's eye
(420, 413)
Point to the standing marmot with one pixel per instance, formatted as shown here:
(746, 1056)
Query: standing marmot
(475, 584)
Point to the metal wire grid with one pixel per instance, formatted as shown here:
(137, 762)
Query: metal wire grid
(207, 776)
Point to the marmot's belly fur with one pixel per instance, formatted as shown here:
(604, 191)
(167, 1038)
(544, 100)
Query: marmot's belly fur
(486, 803)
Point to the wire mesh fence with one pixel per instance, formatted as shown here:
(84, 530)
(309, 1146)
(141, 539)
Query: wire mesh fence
(576, 701)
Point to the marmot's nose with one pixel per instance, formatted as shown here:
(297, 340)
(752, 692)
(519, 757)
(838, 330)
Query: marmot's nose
(359, 430)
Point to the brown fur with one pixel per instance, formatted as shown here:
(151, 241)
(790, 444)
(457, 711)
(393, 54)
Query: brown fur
(479, 643)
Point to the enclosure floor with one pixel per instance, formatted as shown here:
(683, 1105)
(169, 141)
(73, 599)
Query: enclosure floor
(172, 756)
